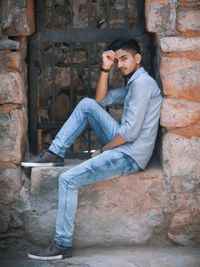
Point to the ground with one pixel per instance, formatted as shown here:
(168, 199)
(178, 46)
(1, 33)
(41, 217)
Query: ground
(152, 256)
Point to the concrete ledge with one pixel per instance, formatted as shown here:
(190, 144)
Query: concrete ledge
(128, 210)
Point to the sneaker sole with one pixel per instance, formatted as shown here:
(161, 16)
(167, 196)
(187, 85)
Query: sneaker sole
(33, 164)
(46, 258)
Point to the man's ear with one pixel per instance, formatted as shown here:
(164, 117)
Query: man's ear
(138, 58)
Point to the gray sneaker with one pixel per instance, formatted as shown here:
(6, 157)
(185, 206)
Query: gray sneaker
(53, 252)
(45, 159)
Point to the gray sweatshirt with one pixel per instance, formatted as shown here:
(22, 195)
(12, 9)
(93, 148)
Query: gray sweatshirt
(142, 100)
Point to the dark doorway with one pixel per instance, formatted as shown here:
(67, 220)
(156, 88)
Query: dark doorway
(64, 57)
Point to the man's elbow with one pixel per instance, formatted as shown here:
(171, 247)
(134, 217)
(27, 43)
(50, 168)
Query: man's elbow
(129, 136)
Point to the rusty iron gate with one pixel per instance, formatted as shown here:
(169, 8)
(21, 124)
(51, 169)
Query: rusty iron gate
(53, 52)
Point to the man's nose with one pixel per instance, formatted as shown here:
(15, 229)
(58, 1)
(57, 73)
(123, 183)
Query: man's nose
(119, 64)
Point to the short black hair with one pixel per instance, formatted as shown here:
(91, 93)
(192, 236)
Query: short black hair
(124, 44)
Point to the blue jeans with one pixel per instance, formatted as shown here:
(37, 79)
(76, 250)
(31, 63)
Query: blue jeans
(105, 166)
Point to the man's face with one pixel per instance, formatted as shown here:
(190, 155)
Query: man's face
(126, 62)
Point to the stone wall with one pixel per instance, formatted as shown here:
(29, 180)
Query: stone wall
(16, 18)
(177, 28)
(176, 25)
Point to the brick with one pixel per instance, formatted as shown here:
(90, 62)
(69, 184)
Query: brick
(10, 182)
(184, 226)
(12, 88)
(188, 21)
(23, 22)
(180, 155)
(11, 61)
(180, 77)
(188, 131)
(181, 47)
(179, 113)
(189, 3)
(160, 16)
(12, 136)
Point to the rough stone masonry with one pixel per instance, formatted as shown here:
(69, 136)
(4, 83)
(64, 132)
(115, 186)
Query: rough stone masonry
(162, 204)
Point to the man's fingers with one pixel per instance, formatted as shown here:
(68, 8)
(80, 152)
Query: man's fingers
(110, 54)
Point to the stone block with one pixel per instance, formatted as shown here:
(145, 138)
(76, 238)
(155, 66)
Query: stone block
(177, 113)
(184, 226)
(22, 23)
(11, 88)
(188, 3)
(184, 183)
(12, 135)
(5, 218)
(188, 21)
(176, 261)
(124, 211)
(160, 16)
(180, 77)
(181, 47)
(11, 61)
(10, 183)
(180, 155)
(188, 131)
(8, 44)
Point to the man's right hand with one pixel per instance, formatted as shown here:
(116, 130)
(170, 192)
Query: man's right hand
(108, 59)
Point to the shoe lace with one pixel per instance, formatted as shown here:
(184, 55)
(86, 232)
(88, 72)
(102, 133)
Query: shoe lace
(39, 155)
(42, 153)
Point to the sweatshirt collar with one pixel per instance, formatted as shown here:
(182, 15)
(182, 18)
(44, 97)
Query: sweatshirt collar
(136, 74)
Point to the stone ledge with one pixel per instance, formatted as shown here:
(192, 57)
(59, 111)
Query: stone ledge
(128, 210)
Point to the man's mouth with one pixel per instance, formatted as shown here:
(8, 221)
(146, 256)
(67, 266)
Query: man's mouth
(122, 69)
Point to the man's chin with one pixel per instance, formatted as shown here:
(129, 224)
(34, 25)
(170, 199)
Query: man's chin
(124, 73)
(127, 75)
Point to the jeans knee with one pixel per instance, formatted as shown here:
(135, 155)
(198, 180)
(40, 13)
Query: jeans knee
(61, 179)
(87, 102)
(66, 181)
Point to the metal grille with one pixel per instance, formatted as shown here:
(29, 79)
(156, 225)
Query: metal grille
(69, 50)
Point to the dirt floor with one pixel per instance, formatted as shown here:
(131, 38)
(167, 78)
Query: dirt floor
(14, 255)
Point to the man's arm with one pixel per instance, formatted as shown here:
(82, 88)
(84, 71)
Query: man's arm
(115, 142)
(108, 58)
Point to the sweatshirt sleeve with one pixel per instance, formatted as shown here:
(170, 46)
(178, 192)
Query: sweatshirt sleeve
(135, 109)
(115, 96)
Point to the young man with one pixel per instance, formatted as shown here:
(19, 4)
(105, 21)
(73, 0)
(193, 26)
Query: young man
(126, 146)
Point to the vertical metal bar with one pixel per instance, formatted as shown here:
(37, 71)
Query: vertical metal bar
(140, 18)
(89, 46)
(40, 22)
(71, 77)
(89, 13)
(107, 14)
(89, 88)
(126, 14)
(53, 82)
(53, 65)
(53, 14)
(71, 14)
(32, 95)
(72, 104)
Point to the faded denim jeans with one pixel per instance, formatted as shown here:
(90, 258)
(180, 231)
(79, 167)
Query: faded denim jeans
(107, 165)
